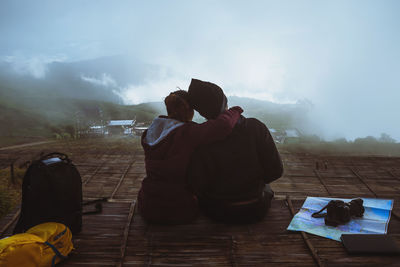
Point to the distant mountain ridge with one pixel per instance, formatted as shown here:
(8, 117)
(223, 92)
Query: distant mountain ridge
(97, 79)
(86, 93)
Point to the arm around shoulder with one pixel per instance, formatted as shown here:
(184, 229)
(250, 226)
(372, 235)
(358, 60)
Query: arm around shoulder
(217, 129)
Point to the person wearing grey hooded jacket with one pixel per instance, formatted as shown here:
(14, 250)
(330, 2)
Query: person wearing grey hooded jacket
(168, 144)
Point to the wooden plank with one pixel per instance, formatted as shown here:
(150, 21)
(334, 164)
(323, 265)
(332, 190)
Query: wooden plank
(10, 222)
(313, 251)
(126, 233)
(105, 240)
(121, 179)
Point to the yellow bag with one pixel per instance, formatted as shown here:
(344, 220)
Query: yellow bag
(45, 244)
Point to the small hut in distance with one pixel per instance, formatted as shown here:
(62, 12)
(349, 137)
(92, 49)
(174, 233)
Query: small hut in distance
(120, 127)
(292, 136)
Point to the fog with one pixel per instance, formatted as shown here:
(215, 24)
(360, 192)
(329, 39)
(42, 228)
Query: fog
(342, 56)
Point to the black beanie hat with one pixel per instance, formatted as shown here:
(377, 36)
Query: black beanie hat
(207, 98)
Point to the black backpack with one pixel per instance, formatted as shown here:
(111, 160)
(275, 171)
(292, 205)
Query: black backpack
(51, 192)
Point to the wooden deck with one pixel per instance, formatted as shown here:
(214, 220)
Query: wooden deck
(119, 236)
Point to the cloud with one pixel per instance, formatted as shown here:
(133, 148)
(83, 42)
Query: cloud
(150, 91)
(35, 66)
(342, 56)
(105, 80)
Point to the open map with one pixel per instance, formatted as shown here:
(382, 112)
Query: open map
(375, 220)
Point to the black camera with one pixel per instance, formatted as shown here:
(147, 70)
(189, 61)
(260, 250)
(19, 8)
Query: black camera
(339, 212)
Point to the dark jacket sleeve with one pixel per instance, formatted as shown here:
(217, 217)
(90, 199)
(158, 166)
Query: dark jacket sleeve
(268, 154)
(199, 173)
(213, 130)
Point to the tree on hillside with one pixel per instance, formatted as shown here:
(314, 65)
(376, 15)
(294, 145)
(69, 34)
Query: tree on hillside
(385, 138)
(366, 140)
(69, 129)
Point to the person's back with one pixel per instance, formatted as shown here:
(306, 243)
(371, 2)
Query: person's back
(231, 176)
(168, 144)
(238, 167)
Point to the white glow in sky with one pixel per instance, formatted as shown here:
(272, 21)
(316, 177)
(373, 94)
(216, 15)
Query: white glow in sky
(343, 56)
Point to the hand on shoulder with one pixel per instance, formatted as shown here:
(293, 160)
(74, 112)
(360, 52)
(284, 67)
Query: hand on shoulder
(237, 109)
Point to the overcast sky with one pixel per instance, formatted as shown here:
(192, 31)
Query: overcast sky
(343, 56)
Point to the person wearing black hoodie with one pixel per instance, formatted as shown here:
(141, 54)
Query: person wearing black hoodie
(231, 176)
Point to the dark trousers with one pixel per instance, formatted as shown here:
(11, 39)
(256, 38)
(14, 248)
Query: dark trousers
(231, 213)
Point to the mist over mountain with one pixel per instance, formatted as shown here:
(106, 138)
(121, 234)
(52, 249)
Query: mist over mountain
(37, 100)
(341, 56)
(108, 79)
(43, 95)
(102, 79)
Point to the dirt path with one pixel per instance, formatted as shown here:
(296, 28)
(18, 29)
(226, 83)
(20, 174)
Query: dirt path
(24, 145)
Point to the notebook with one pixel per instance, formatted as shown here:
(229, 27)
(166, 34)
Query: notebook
(369, 244)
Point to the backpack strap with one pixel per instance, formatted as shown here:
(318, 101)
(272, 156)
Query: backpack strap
(20, 226)
(89, 202)
(59, 155)
(56, 252)
(98, 209)
(98, 205)
(318, 213)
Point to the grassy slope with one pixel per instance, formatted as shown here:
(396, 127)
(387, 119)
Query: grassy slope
(10, 193)
(29, 115)
(37, 112)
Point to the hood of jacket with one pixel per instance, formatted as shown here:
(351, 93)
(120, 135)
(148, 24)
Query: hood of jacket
(159, 130)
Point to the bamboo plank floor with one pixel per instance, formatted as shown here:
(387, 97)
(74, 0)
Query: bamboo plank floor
(119, 236)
